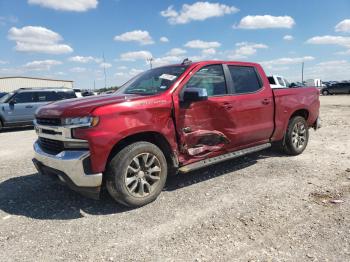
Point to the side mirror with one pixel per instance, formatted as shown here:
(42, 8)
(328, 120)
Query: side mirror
(12, 101)
(193, 94)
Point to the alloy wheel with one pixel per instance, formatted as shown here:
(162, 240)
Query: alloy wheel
(143, 174)
(299, 135)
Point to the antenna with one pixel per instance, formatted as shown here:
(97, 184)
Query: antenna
(302, 73)
(104, 68)
(150, 60)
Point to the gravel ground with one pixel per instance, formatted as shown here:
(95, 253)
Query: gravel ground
(263, 207)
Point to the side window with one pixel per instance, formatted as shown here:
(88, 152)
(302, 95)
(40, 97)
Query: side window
(46, 96)
(24, 97)
(66, 95)
(211, 78)
(271, 80)
(280, 81)
(244, 78)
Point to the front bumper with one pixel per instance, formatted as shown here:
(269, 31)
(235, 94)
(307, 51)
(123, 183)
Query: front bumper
(70, 166)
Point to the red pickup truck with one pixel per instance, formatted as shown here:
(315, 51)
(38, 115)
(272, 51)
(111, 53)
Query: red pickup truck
(167, 120)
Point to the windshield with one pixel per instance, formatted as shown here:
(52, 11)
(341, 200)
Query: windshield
(153, 81)
(5, 97)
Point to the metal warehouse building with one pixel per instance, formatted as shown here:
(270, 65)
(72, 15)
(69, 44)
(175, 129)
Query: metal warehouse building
(9, 84)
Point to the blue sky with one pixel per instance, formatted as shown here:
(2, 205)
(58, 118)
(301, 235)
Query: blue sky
(66, 39)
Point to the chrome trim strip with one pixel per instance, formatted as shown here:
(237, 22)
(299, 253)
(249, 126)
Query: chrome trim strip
(69, 162)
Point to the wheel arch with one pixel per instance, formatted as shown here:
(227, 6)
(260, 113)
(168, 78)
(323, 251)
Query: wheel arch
(301, 112)
(153, 137)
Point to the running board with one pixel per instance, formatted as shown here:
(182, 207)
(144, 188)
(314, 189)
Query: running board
(218, 159)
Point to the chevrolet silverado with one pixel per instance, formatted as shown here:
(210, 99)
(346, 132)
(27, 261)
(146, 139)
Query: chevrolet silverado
(167, 120)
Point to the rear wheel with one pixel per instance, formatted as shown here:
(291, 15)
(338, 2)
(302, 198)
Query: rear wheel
(1, 125)
(137, 174)
(325, 92)
(297, 136)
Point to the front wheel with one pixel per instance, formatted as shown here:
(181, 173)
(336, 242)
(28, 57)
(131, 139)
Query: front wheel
(137, 174)
(297, 136)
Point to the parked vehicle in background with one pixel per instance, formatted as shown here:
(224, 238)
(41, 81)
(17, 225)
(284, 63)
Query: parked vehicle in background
(88, 93)
(77, 92)
(296, 84)
(2, 94)
(18, 108)
(314, 82)
(168, 119)
(278, 81)
(338, 88)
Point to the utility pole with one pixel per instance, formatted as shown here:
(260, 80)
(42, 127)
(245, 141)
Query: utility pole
(104, 69)
(150, 60)
(302, 73)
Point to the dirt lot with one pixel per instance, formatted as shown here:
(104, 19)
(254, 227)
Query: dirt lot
(264, 207)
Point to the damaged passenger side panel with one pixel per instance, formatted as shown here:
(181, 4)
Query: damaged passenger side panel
(202, 142)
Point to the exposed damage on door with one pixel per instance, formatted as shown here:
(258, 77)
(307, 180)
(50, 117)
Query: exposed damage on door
(202, 142)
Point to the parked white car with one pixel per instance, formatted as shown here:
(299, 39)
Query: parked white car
(278, 81)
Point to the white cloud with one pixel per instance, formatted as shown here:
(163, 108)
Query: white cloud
(66, 5)
(287, 61)
(343, 26)
(41, 65)
(265, 21)
(134, 71)
(78, 69)
(198, 11)
(347, 52)
(142, 37)
(202, 44)
(245, 49)
(136, 55)
(176, 52)
(84, 59)
(166, 60)
(38, 39)
(122, 76)
(105, 65)
(329, 70)
(330, 40)
(208, 52)
(288, 38)
(164, 39)
(122, 67)
(2, 62)
(4, 20)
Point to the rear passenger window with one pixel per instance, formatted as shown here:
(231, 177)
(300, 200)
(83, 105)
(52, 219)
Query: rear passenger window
(46, 96)
(245, 80)
(211, 78)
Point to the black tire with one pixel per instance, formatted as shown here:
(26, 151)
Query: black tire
(1, 125)
(122, 168)
(325, 92)
(294, 144)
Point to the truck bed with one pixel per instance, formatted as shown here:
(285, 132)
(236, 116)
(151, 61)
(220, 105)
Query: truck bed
(289, 100)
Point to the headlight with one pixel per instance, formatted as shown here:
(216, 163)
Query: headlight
(85, 121)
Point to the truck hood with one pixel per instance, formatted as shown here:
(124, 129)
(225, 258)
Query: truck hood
(81, 106)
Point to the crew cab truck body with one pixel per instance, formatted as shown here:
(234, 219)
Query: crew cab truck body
(169, 119)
